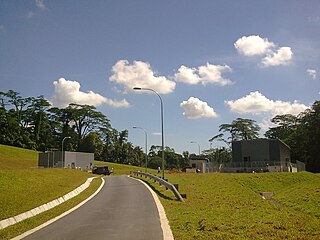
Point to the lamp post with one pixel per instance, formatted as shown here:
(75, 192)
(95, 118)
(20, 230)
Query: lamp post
(198, 146)
(146, 145)
(62, 150)
(161, 109)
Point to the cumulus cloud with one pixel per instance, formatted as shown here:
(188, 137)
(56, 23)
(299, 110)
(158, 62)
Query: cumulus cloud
(140, 74)
(312, 73)
(256, 103)
(194, 108)
(208, 73)
(40, 4)
(66, 92)
(281, 57)
(253, 45)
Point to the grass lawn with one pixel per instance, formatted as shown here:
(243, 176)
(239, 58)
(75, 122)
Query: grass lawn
(121, 169)
(229, 206)
(22, 190)
(28, 224)
(15, 158)
(23, 187)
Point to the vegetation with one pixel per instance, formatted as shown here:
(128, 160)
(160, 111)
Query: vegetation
(17, 158)
(33, 124)
(30, 223)
(21, 180)
(22, 185)
(229, 206)
(121, 169)
(239, 129)
(302, 134)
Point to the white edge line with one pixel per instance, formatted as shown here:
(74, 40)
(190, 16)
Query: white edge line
(166, 230)
(23, 235)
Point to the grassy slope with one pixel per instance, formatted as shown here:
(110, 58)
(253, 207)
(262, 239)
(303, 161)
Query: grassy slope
(219, 206)
(229, 206)
(120, 169)
(14, 158)
(21, 181)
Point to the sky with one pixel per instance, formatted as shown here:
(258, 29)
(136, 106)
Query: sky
(210, 61)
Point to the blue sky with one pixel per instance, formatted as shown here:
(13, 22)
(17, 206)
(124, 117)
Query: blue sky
(211, 61)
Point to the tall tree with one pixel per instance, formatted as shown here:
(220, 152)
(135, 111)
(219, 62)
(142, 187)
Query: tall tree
(310, 123)
(239, 129)
(85, 119)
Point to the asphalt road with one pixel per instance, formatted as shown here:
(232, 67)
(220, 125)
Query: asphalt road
(123, 209)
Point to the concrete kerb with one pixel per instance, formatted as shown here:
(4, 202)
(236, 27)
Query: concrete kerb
(60, 216)
(166, 230)
(20, 217)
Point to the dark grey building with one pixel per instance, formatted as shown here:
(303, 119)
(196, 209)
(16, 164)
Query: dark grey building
(261, 155)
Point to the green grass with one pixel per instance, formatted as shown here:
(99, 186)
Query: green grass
(34, 187)
(17, 158)
(121, 169)
(229, 206)
(28, 224)
(218, 206)
(23, 187)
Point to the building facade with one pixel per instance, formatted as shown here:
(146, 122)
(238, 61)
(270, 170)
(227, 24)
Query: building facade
(65, 159)
(260, 155)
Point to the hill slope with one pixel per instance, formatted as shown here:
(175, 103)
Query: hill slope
(15, 158)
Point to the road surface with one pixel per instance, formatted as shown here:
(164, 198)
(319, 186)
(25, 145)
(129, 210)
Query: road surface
(123, 209)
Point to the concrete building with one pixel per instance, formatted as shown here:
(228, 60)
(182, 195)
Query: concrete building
(271, 155)
(200, 165)
(57, 159)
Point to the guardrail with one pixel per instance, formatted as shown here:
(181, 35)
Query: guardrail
(161, 182)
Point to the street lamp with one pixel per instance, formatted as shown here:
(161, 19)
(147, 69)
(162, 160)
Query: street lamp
(62, 150)
(162, 134)
(146, 144)
(198, 146)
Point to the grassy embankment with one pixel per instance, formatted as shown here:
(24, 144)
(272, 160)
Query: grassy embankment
(23, 187)
(121, 169)
(218, 206)
(229, 206)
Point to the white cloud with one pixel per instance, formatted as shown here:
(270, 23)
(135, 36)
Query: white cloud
(281, 57)
(266, 124)
(312, 73)
(140, 74)
(208, 73)
(30, 14)
(253, 45)
(66, 92)
(40, 4)
(194, 108)
(256, 103)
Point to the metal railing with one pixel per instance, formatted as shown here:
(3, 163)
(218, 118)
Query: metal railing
(161, 182)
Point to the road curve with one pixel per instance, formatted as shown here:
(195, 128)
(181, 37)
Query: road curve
(123, 209)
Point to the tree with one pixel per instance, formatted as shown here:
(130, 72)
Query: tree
(239, 129)
(310, 133)
(302, 134)
(218, 155)
(287, 124)
(85, 119)
(93, 144)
